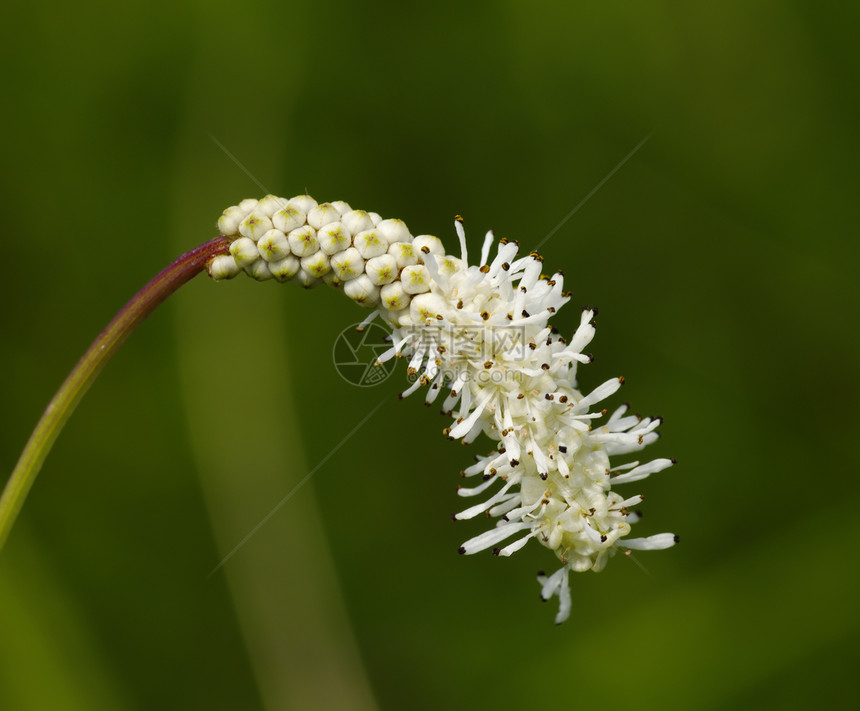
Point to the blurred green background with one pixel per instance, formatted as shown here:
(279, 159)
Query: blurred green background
(719, 254)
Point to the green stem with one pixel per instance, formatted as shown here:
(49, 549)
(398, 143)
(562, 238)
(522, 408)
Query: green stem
(89, 366)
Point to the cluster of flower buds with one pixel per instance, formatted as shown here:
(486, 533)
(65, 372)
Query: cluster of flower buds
(481, 334)
(377, 262)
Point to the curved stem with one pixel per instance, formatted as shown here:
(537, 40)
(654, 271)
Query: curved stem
(87, 369)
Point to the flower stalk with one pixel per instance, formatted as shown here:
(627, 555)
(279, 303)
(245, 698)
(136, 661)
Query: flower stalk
(88, 368)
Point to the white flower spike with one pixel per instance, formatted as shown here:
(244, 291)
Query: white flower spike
(481, 335)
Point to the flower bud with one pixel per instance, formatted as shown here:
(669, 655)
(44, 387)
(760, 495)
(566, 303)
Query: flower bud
(381, 270)
(255, 226)
(306, 280)
(305, 203)
(394, 230)
(317, 264)
(247, 205)
(393, 297)
(228, 223)
(269, 205)
(330, 278)
(375, 217)
(323, 215)
(357, 221)
(428, 244)
(273, 245)
(415, 279)
(426, 306)
(244, 251)
(288, 219)
(286, 268)
(334, 238)
(303, 241)
(370, 243)
(347, 264)
(341, 206)
(447, 265)
(223, 267)
(362, 291)
(404, 253)
(259, 270)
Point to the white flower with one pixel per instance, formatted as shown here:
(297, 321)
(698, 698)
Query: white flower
(480, 334)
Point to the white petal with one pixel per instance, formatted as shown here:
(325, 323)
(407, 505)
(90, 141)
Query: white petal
(491, 537)
(652, 543)
(643, 471)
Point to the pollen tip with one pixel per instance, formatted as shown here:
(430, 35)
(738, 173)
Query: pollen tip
(676, 539)
(459, 218)
(673, 460)
(496, 551)
(453, 517)
(621, 380)
(461, 550)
